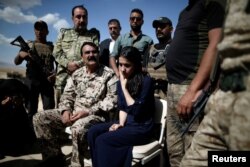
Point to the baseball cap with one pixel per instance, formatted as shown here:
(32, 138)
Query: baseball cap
(162, 20)
(41, 25)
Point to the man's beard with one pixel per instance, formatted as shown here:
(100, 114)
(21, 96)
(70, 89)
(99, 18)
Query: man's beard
(136, 28)
(81, 28)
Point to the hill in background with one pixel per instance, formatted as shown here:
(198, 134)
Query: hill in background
(7, 70)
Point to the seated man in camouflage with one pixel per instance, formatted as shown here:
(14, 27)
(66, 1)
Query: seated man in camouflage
(89, 94)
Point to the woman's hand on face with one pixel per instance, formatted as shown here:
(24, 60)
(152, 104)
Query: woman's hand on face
(114, 127)
(123, 80)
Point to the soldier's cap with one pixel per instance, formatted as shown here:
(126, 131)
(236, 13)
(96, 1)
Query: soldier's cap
(41, 25)
(162, 20)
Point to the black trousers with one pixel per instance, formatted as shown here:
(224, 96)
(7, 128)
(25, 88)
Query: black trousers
(36, 88)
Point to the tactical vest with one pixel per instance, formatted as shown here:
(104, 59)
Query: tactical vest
(156, 62)
(42, 61)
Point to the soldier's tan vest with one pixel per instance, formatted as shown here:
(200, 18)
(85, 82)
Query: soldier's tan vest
(42, 62)
(45, 51)
(156, 59)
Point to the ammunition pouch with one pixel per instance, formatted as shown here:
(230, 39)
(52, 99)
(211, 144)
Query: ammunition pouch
(233, 80)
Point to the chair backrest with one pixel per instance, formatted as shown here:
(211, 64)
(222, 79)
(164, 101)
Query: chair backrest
(160, 116)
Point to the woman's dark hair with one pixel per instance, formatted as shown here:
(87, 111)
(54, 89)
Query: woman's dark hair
(135, 81)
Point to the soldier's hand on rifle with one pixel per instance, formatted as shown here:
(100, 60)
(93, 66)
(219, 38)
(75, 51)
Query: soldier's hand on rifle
(24, 55)
(184, 106)
(52, 78)
(197, 95)
(72, 66)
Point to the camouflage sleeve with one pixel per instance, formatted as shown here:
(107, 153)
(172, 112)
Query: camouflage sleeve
(110, 100)
(96, 40)
(68, 97)
(58, 53)
(80, 63)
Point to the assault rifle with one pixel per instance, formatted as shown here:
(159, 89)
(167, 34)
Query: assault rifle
(34, 56)
(198, 108)
(199, 105)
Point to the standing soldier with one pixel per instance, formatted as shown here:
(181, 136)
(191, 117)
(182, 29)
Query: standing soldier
(189, 62)
(67, 47)
(226, 125)
(155, 59)
(40, 64)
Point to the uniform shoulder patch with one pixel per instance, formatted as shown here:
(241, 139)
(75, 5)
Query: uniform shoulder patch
(63, 30)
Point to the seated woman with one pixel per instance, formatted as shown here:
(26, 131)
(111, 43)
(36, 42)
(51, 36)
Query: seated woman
(111, 143)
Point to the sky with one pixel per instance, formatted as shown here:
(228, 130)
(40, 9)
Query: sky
(17, 17)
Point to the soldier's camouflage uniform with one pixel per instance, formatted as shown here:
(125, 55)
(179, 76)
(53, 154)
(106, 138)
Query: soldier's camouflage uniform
(68, 49)
(226, 124)
(96, 92)
(155, 65)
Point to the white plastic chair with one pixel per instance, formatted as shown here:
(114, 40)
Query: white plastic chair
(144, 153)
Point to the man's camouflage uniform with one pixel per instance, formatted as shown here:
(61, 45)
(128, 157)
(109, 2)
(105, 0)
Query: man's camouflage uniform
(190, 46)
(226, 125)
(96, 92)
(155, 65)
(67, 49)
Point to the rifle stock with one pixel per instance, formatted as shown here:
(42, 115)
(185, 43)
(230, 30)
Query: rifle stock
(22, 44)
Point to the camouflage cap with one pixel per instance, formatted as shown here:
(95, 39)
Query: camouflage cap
(41, 25)
(162, 20)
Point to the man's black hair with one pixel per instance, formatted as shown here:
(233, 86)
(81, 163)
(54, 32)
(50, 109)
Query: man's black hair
(114, 20)
(91, 44)
(79, 6)
(137, 10)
